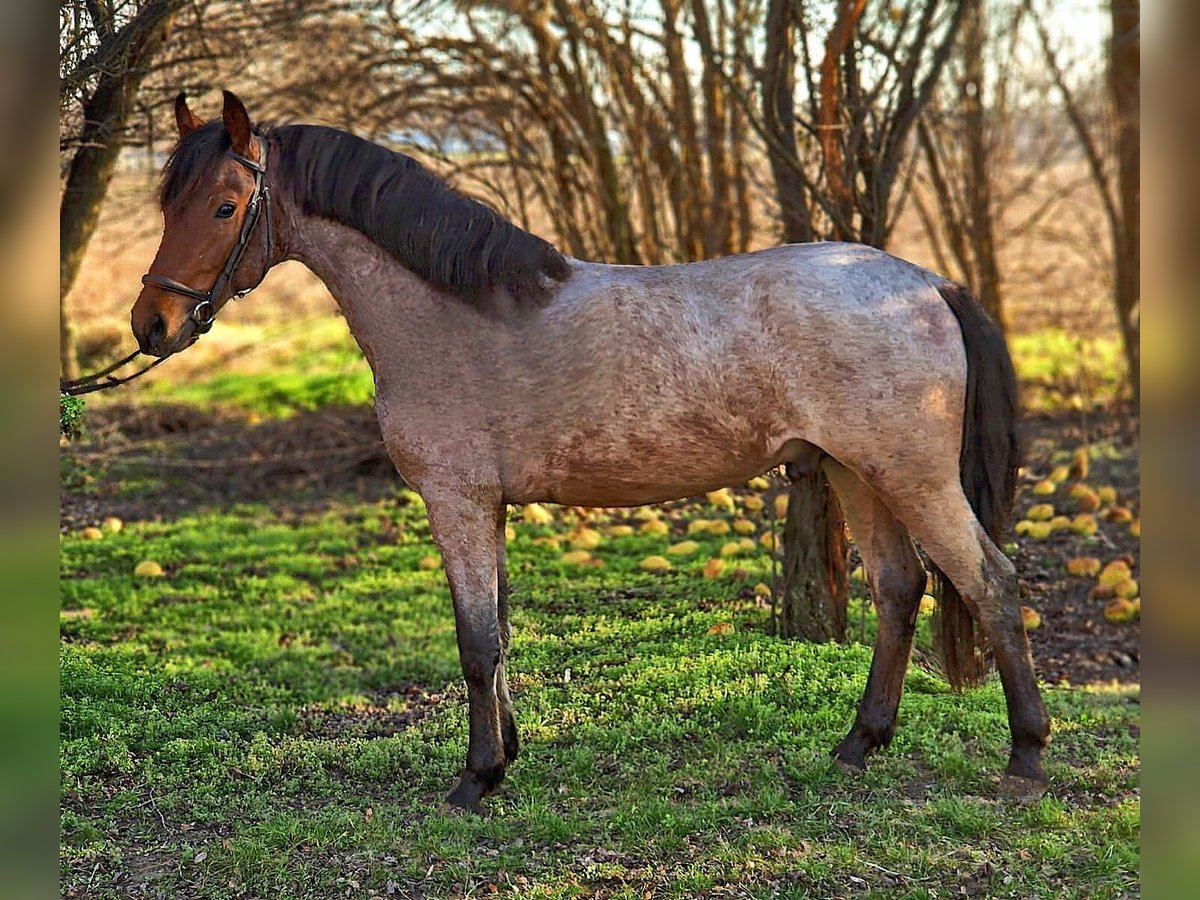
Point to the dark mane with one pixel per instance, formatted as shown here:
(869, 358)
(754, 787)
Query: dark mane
(444, 237)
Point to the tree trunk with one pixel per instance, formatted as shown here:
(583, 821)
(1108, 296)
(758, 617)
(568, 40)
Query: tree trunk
(830, 125)
(978, 172)
(779, 121)
(812, 603)
(105, 114)
(1124, 81)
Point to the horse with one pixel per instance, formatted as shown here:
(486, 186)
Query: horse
(507, 372)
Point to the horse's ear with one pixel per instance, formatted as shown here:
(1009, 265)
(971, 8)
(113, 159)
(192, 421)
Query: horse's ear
(237, 123)
(187, 120)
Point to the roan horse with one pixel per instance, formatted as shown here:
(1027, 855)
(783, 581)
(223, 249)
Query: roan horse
(507, 372)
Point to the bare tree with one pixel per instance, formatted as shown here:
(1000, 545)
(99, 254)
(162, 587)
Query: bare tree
(877, 71)
(1119, 192)
(107, 52)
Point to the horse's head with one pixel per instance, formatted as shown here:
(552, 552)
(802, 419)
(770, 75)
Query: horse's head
(217, 235)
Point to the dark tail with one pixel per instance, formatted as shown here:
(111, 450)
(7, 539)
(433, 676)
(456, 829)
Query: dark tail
(988, 468)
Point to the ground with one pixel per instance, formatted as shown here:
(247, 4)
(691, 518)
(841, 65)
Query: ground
(279, 714)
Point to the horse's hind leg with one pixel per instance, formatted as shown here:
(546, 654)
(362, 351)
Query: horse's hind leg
(897, 580)
(949, 532)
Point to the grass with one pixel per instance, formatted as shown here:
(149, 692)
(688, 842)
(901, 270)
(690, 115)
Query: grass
(280, 715)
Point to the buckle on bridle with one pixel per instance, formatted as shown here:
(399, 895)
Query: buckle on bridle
(203, 317)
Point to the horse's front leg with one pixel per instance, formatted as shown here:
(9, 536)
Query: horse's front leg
(464, 527)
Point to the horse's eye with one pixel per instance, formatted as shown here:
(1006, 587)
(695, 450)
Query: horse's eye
(225, 210)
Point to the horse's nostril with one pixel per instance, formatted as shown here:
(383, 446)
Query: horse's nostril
(158, 331)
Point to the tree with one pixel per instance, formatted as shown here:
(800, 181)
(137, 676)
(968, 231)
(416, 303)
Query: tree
(107, 50)
(1119, 193)
(862, 100)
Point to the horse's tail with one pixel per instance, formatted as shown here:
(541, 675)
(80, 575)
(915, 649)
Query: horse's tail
(988, 467)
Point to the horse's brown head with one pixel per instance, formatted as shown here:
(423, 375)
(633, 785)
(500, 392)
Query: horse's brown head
(214, 243)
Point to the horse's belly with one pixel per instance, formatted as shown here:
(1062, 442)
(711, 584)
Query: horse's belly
(591, 467)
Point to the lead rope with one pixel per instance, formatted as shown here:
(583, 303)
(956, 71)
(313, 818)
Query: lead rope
(102, 380)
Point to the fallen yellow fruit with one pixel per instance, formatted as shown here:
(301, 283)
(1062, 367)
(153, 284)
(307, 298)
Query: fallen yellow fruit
(758, 483)
(113, 525)
(699, 526)
(536, 514)
(577, 557)
(1119, 611)
(1045, 487)
(1023, 526)
(655, 564)
(1127, 589)
(654, 526)
(781, 503)
(1083, 566)
(1059, 474)
(753, 503)
(510, 533)
(583, 538)
(718, 527)
(1030, 618)
(723, 498)
(1107, 494)
(768, 540)
(148, 568)
(1039, 531)
(732, 548)
(744, 526)
(1079, 463)
(1041, 512)
(762, 590)
(1059, 523)
(1086, 500)
(619, 531)
(722, 628)
(1085, 524)
(1135, 527)
(1114, 573)
(91, 533)
(1120, 515)
(713, 568)
(429, 563)
(683, 548)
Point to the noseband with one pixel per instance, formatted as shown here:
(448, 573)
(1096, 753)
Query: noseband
(204, 313)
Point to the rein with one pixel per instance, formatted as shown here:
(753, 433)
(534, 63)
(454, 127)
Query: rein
(204, 312)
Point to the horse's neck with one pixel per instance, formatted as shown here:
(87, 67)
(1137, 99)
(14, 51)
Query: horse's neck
(404, 326)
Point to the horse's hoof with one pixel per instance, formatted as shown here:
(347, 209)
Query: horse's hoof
(850, 756)
(849, 768)
(453, 809)
(465, 798)
(1022, 790)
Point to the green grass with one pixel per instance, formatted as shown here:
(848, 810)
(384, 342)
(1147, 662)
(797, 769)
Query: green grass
(280, 715)
(1061, 370)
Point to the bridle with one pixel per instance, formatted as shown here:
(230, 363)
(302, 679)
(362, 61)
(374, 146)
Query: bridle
(204, 313)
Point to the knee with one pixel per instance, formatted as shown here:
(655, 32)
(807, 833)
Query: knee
(479, 664)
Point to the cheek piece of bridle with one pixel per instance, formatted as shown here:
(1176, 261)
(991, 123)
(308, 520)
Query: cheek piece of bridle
(204, 312)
